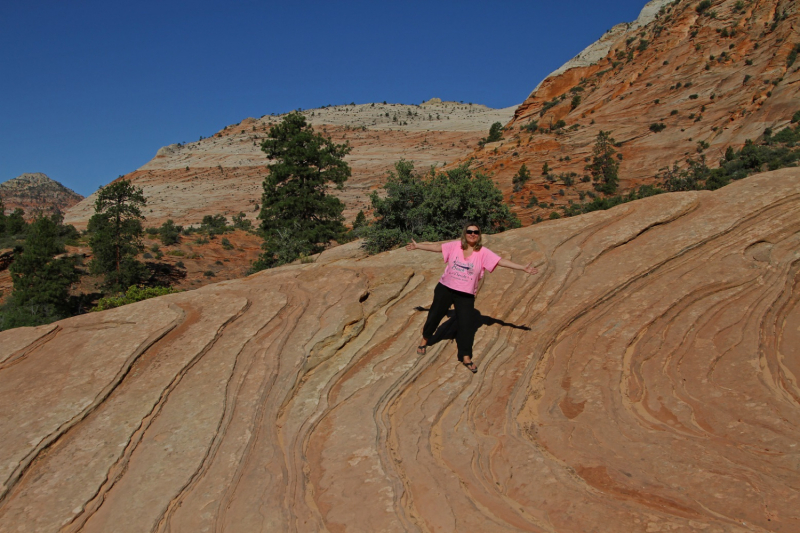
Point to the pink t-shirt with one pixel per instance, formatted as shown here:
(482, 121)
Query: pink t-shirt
(463, 274)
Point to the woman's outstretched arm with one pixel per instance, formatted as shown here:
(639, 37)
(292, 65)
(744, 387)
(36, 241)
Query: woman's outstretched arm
(427, 246)
(510, 264)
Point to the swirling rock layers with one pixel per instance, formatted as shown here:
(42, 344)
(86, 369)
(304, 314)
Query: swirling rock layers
(644, 380)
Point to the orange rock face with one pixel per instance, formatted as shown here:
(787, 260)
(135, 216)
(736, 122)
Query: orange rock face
(717, 80)
(644, 380)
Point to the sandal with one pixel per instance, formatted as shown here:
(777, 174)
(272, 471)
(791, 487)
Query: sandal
(470, 366)
(422, 349)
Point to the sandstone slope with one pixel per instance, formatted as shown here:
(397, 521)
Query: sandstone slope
(719, 78)
(35, 193)
(223, 174)
(644, 380)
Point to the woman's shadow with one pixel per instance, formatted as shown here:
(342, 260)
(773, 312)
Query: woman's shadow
(447, 330)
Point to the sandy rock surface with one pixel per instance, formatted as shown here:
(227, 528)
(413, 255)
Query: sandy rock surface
(224, 173)
(643, 381)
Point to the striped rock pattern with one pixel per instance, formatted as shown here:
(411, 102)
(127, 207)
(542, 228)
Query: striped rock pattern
(644, 380)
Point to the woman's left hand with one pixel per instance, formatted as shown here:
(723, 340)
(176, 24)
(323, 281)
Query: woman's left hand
(530, 269)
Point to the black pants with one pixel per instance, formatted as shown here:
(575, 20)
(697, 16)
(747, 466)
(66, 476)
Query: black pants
(443, 298)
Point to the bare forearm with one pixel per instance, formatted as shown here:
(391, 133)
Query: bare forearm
(510, 264)
(428, 246)
(514, 266)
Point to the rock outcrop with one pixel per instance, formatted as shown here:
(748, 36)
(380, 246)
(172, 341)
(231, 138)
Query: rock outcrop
(600, 48)
(36, 193)
(223, 174)
(644, 380)
(679, 83)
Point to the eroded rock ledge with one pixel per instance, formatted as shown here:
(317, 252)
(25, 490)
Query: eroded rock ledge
(645, 380)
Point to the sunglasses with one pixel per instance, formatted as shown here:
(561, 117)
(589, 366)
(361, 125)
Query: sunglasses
(472, 232)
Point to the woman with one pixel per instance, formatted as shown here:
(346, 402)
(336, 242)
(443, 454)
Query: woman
(466, 260)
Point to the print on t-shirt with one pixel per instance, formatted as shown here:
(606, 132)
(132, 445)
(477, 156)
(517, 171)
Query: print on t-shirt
(462, 270)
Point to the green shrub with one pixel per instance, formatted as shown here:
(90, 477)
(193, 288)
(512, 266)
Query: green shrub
(240, 222)
(495, 134)
(169, 233)
(214, 225)
(546, 107)
(751, 159)
(604, 167)
(41, 276)
(360, 220)
(554, 215)
(792, 56)
(434, 207)
(657, 127)
(226, 244)
(177, 253)
(789, 136)
(209, 274)
(133, 294)
(520, 178)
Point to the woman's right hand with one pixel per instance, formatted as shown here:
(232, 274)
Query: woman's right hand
(412, 245)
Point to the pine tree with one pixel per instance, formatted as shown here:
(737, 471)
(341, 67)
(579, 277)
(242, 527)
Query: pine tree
(41, 281)
(297, 215)
(15, 222)
(605, 167)
(495, 134)
(169, 233)
(361, 220)
(117, 232)
(2, 218)
(520, 178)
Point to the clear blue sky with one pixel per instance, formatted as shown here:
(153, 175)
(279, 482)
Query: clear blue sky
(91, 89)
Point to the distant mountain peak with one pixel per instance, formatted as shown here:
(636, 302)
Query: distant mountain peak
(36, 192)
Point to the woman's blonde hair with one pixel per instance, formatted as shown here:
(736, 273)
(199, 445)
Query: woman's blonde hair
(464, 244)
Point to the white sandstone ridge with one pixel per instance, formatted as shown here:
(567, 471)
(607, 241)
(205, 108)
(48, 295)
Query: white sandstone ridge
(240, 144)
(600, 48)
(224, 172)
